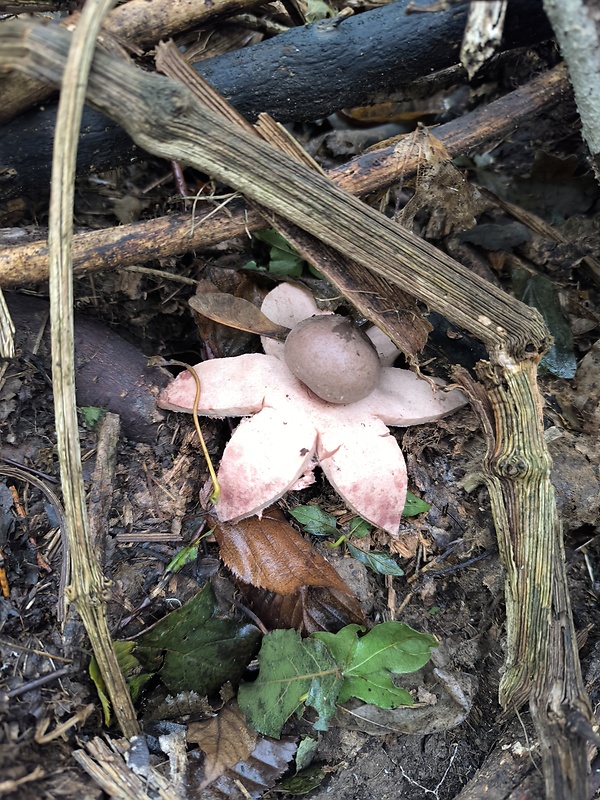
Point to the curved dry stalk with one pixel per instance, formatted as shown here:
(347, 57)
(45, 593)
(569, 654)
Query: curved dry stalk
(87, 589)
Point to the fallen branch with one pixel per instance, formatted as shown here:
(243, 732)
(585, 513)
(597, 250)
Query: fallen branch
(374, 53)
(136, 243)
(542, 663)
(87, 589)
(137, 24)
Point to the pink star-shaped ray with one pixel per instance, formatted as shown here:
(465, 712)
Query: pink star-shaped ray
(287, 430)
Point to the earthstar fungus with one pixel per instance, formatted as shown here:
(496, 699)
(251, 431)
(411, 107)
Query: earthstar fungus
(288, 430)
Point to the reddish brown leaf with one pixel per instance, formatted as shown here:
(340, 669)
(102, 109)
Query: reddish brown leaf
(310, 609)
(283, 578)
(225, 739)
(269, 554)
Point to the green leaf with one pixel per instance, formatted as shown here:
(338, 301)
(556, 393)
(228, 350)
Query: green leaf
(271, 237)
(539, 292)
(376, 561)
(293, 672)
(314, 520)
(284, 260)
(91, 415)
(359, 527)
(187, 555)
(132, 672)
(199, 648)
(318, 9)
(369, 661)
(304, 781)
(331, 667)
(414, 505)
(285, 267)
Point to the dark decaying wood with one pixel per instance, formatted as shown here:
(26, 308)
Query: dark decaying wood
(303, 74)
(137, 24)
(175, 234)
(110, 372)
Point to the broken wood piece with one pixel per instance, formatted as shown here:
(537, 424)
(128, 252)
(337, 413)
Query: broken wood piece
(101, 490)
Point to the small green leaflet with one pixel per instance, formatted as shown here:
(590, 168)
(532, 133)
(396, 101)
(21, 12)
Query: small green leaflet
(131, 669)
(359, 527)
(284, 260)
(187, 555)
(307, 750)
(414, 505)
(368, 661)
(375, 560)
(91, 415)
(314, 520)
(293, 672)
(330, 668)
(196, 648)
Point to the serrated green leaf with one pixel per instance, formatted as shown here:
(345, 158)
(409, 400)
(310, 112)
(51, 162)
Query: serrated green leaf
(539, 292)
(314, 520)
(376, 561)
(91, 415)
(369, 661)
(293, 672)
(414, 505)
(200, 649)
(359, 527)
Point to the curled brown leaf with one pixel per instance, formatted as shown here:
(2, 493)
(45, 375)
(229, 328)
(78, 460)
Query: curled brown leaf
(284, 579)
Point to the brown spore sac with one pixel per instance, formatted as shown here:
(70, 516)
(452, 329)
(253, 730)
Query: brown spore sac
(333, 358)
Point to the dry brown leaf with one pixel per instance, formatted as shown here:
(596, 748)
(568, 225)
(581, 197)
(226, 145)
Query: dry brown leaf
(250, 778)
(310, 609)
(283, 578)
(226, 740)
(443, 191)
(236, 312)
(269, 554)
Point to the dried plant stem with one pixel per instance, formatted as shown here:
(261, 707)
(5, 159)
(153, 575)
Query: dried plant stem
(87, 589)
